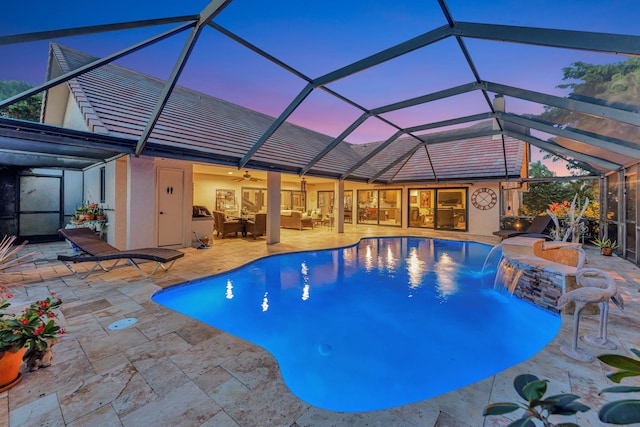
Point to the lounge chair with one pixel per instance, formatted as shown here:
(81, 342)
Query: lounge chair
(536, 229)
(94, 249)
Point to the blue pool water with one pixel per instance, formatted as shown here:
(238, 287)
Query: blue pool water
(383, 323)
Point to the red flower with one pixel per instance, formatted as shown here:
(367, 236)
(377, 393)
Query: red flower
(38, 330)
(40, 313)
(9, 296)
(52, 315)
(24, 321)
(62, 331)
(53, 294)
(44, 304)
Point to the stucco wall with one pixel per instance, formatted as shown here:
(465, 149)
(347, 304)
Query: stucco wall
(73, 117)
(116, 201)
(91, 192)
(484, 222)
(141, 202)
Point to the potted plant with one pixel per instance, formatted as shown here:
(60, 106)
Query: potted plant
(90, 214)
(606, 246)
(81, 213)
(28, 335)
(33, 330)
(100, 214)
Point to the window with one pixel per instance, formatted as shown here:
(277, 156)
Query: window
(254, 199)
(442, 208)
(381, 207)
(103, 185)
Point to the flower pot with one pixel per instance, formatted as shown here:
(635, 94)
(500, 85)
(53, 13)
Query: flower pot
(606, 251)
(36, 359)
(10, 363)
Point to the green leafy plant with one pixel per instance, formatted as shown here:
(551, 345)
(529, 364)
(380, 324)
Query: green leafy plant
(32, 328)
(621, 411)
(605, 243)
(537, 407)
(572, 226)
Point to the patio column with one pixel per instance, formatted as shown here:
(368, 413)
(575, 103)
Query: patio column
(273, 207)
(338, 202)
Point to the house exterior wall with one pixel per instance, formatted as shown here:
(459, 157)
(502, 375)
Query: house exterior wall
(484, 222)
(56, 100)
(73, 118)
(131, 189)
(481, 222)
(116, 196)
(141, 180)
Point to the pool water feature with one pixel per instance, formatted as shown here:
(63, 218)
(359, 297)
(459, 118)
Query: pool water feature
(383, 323)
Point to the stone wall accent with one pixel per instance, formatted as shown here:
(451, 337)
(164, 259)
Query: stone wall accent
(538, 285)
(549, 269)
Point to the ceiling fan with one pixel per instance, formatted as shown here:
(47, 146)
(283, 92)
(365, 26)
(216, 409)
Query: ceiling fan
(246, 177)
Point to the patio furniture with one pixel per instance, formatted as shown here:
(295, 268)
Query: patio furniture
(223, 226)
(257, 226)
(294, 219)
(536, 229)
(94, 249)
(445, 217)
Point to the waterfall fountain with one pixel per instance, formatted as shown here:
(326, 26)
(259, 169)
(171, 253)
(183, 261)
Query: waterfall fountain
(533, 269)
(490, 266)
(507, 276)
(492, 260)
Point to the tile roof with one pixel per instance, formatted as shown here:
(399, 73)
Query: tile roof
(118, 101)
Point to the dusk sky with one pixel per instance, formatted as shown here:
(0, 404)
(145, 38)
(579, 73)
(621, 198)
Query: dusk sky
(319, 37)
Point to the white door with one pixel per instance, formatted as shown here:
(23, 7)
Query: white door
(170, 207)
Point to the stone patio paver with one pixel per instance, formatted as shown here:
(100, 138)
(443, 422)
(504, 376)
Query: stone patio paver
(169, 369)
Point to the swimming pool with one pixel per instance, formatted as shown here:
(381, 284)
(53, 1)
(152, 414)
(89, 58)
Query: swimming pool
(386, 322)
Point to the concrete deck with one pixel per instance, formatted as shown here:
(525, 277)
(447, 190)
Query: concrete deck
(170, 370)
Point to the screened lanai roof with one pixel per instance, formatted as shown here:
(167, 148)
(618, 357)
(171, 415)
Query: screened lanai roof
(397, 78)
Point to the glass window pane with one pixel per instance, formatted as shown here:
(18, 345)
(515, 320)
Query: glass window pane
(285, 199)
(254, 200)
(38, 193)
(390, 207)
(299, 201)
(368, 206)
(630, 198)
(612, 197)
(348, 206)
(452, 209)
(39, 224)
(421, 207)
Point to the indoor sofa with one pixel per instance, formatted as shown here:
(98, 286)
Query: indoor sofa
(294, 219)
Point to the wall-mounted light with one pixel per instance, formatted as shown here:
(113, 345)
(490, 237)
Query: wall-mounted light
(303, 185)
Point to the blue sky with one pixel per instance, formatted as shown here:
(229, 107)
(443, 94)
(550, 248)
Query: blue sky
(317, 37)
